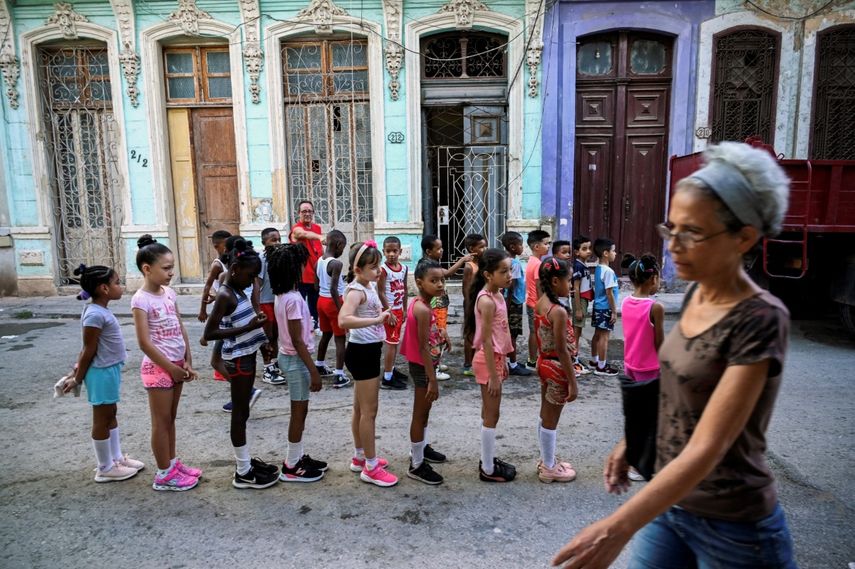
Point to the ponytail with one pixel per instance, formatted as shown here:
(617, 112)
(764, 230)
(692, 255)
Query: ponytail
(488, 262)
(549, 269)
(640, 269)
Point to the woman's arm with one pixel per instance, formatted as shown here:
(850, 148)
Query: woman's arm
(149, 349)
(657, 317)
(422, 314)
(487, 307)
(347, 318)
(295, 330)
(303, 233)
(723, 419)
(558, 319)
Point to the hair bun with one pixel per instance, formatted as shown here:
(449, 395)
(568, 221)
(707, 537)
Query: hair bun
(80, 270)
(145, 240)
(627, 261)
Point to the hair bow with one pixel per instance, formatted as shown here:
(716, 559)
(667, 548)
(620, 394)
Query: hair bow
(370, 243)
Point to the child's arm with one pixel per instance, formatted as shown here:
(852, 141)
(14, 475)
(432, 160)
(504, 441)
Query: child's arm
(188, 357)
(149, 349)
(488, 311)
(558, 319)
(225, 304)
(610, 294)
(335, 267)
(468, 276)
(406, 292)
(422, 315)
(452, 270)
(381, 289)
(295, 330)
(216, 269)
(84, 360)
(657, 318)
(577, 299)
(347, 318)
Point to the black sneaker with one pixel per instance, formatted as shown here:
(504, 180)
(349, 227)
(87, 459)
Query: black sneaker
(300, 473)
(312, 464)
(607, 371)
(341, 381)
(255, 478)
(424, 473)
(519, 370)
(262, 466)
(531, 364)
(506, 465)
(393, 383)
(501, 473)
(324, 371)
(399, 375)
(433, 456)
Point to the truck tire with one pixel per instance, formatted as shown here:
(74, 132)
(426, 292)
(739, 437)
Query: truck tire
(847, 316)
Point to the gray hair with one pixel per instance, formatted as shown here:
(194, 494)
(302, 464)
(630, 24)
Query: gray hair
(750, 185)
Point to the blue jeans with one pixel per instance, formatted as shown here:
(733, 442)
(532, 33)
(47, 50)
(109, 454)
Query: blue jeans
(678, 539)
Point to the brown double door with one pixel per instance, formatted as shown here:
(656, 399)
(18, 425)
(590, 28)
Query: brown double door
(623, 86)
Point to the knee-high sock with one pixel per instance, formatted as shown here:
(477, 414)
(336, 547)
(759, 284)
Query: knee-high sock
(242, 459)
(547, 446)
(104, 454)
(488, 448)
(115, 444)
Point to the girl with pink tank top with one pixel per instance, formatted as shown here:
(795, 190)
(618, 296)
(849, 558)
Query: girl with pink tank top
(487, 323)
(642, 320)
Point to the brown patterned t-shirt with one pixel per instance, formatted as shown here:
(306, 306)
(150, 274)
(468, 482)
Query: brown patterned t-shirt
(741, 487)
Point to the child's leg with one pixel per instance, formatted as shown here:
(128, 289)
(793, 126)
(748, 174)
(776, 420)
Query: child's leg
(578, 333)
(322, 346)
(296, 426)
(512, 357)
(548, 430)
(468, 352)
(366, 393)
(532, 339)
(102, 418)
(340, 346)
(241, 389)
(173, 415)
(418, 425)
(604, 345)
(389, 356)
(354, 424)
(160, 404)
(489, 419)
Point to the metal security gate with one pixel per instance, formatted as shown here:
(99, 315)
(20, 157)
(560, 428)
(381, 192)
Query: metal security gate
(328, 132)
(834, 103)
(80, 136)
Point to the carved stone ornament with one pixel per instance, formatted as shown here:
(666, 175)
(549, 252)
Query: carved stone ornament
(532, 59)
(188, 15)
(534, 16)
(392, 10)
(320, 14)
(463, 11)
(124, 11)
(66, 18)
(253, 56)
(10, 67)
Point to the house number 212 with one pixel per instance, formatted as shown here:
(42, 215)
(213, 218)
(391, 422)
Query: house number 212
(138, 157)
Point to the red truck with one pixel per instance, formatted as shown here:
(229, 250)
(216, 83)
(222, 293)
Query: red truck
(812, 261)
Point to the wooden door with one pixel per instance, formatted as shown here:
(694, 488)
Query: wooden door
(215, 165)
(623, 85)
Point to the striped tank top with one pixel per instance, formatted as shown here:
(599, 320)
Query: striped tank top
(242, 344)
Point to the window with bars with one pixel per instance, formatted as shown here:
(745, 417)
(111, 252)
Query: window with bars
(465, 55)
(745, 64)
(833, 135)
(197, 75)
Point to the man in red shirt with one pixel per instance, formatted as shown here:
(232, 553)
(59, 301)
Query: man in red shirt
(309, 233)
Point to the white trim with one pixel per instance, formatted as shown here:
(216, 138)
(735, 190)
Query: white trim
(273, 35)
(29, 44)
(152, 64)
(30, 231)
(784, 121)
(402, 227)
(813, 27)
(490, 20)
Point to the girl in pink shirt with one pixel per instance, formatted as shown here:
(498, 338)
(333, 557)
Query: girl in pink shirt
(642, 319)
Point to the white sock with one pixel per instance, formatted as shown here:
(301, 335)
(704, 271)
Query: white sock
(371, 463)
(162, 473)
(427, 435)
(242, 459)
(387, 375)
(512, 365)
(104, 454)
(418, 452)
(339, 372)
(597, 359)
(320, 363)
(295, 453)
(115, 444)
(488, 449)
(547, 446)
(359, 454)
(172, 462)
(601, 364)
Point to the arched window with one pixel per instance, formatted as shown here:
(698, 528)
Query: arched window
(745, 67)
(464, 55)
(833, 133)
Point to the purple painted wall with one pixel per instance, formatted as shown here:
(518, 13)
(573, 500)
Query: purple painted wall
(566, 22)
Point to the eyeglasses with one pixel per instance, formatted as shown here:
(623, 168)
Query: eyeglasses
(685, 239)
(307, 211)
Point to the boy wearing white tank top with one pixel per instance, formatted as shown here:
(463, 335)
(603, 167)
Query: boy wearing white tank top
(331, 285)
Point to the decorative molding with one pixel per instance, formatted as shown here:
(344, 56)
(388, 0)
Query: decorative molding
(320, 14)
(464, 11)
(534, 17)
(66, 18)
(253, 56)
(188, 15)
(128, 57)
(10, 65)
(392, 10)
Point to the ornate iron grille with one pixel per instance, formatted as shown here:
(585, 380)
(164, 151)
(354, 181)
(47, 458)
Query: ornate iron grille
(463, 56)
(328, 132)
(744, 90)
(80, 136)
(834, 115)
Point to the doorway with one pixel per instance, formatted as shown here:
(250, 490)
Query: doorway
(623, 89)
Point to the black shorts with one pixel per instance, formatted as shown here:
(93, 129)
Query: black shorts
(242, 367)
(418, 374)
(363, 360)
(515, 318)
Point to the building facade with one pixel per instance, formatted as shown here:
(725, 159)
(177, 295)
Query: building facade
(181, 117)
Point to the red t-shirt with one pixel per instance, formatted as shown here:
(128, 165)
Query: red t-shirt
(316, 250)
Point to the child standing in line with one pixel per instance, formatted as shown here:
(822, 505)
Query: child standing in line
(212, 283)
(604, 314)
(235, 321)
(331, 285)
(515, 299)
(488, 323)
(555, 339)
(364, 316)
(538, 242)
(432, 249)
(475, 245)
(422, 345)
(269, 238)
(99, 366)
(562, 250)
(296, 343)
(167, 363)
(393, 284)
(582, 293)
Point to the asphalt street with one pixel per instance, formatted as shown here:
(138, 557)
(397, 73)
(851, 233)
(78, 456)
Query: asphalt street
(53, 514)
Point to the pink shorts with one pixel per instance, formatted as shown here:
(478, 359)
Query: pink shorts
(155, 377)
(482, 372)
(393, 333)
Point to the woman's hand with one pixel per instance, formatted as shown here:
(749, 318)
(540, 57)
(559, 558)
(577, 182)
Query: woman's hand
(595, 547)
(616, 471)
(432, 391)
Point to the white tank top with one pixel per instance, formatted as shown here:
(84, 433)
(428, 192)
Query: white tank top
(396, 286)
(325, 280)
(371, 308)
(215, 286)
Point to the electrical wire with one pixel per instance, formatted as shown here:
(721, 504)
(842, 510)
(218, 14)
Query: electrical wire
(792, 18)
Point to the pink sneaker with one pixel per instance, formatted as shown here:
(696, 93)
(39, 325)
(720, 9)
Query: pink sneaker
(379, 476)
(189, 471)
(118, 472)
(175, 481)
(357, 464)
(561, 472)
(130, 463)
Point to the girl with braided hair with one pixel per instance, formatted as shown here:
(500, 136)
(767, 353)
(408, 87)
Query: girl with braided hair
(99, 367)
(556, 344)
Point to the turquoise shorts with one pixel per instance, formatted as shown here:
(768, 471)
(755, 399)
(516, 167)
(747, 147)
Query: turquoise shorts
(294, 370)
(103, 383)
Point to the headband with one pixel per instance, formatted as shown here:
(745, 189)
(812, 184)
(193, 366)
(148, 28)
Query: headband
(365, 245)
(734, 189)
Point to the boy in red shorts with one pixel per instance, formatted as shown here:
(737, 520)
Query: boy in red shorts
(393, 283)
(269, 237)
(330, 272)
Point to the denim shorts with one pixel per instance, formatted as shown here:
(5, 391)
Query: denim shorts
(294, 370)
(678, 539)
